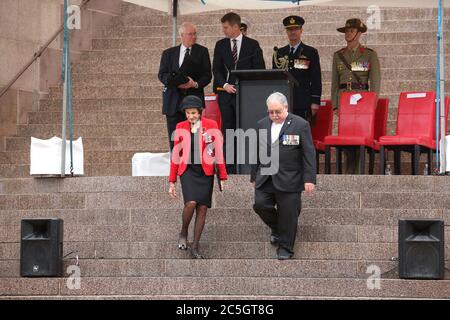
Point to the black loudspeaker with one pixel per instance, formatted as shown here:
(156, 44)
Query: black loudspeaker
(421, 249)
(41, 248)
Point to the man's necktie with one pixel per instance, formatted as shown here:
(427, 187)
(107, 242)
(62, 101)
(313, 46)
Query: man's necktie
(234, 52)
(186, 54)
(291, 53)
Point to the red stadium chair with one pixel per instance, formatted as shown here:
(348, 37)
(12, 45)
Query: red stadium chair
(322, 127)
(212, 110)
(381, 116)
(415, 132)
(355, 129)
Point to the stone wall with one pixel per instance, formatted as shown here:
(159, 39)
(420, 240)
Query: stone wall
(26, 25)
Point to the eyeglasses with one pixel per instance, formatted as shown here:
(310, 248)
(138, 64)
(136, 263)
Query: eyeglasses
(278, 112)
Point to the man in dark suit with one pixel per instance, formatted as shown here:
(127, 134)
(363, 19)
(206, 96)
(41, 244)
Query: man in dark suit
(303, 63)
(184, 70)
(289, 169)
(235, 52)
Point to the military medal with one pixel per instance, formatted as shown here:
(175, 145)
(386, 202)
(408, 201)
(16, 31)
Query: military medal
(209, 149)
(366, 65)
(302, 62)
(207, 138)
(360, 66)
(290, 139)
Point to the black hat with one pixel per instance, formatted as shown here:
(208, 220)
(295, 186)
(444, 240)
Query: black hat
(353, 23)
(293, 22)
(192, 102)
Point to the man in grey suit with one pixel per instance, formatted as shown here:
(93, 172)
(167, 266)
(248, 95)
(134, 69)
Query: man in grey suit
(287, 139)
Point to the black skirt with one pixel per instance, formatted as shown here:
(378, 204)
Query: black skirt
(197, 186)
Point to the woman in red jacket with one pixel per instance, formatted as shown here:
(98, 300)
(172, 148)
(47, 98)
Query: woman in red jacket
(198, 144)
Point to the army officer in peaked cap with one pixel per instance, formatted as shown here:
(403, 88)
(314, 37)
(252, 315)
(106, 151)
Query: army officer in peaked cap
(303, 62)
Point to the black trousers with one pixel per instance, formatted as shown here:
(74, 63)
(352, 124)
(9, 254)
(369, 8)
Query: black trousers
(280, 211)
(227, 106)
(172, 122)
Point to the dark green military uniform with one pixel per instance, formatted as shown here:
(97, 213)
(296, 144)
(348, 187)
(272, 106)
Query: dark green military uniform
(364, 63)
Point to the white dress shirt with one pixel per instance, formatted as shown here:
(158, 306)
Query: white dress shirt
(275, 131)
(182, 53)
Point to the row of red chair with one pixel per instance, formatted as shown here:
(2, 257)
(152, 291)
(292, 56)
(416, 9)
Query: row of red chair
(362, 125)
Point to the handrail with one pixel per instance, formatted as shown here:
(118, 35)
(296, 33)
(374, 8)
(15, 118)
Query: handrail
(37, 54)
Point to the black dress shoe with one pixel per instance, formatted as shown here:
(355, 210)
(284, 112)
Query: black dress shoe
(283, 254)
(274, 239)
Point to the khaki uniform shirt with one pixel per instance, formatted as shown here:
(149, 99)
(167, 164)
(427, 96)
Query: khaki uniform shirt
(364, 62)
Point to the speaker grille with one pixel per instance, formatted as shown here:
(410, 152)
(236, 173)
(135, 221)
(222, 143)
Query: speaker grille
(421, 249)
(41, 248)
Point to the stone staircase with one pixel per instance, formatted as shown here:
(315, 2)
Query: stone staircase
(117, 97)
(124, 230)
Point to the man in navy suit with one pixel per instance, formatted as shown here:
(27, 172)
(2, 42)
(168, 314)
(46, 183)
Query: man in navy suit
(234, 52)
(184, 70)
(289, 169)
(303, 63)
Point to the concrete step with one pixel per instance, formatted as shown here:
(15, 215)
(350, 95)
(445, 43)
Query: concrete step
(90, 170)
(220, 250)
(99, 118)
(22, 144)
(238, 197)
(42, 125)
(108, 104)
(110, 92)
(46, 131)
(121, 104)
(147, 79)
(337, 15)
(269, 27)
(14, 171)
(142, 66)
(124, 169)
(162, 233)
(228, 286)
(311, 38)
(213, 268)
(235, 183)
(116, 168)
(16, 146)
(325, 51)
(129, 9)
(144, 217)
(388, 87)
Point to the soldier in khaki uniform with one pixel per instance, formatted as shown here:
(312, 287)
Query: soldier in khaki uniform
(355, 68)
